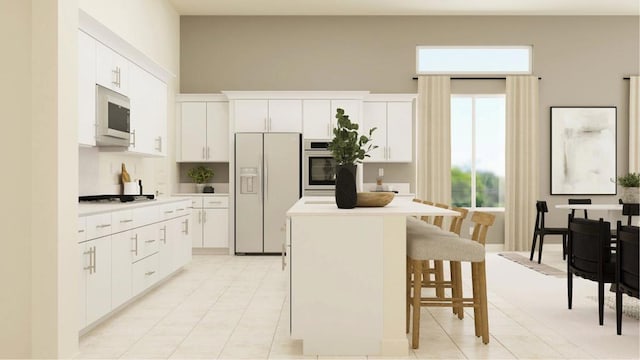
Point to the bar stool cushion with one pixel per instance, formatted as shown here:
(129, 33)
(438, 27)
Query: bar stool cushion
(444, 248)
(419, 227)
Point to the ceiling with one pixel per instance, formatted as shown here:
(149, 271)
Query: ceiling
(407, 7)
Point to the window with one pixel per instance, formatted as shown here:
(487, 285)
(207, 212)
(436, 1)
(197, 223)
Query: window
(473, 60)
(478, 150)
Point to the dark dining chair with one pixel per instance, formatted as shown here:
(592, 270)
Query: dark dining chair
(580, 202)
(627, 277)
(590, 256)
(541, 231)
(630, 210)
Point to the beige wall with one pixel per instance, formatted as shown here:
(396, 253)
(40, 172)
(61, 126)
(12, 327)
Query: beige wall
(15, 219)
(581, 60)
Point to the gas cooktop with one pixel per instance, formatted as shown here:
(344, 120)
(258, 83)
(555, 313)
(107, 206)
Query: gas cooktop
(120, 198)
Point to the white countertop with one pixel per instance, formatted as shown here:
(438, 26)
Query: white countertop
(91, 208)
(323, 205)
(590, 206)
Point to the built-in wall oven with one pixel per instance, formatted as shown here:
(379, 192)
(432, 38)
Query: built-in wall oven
(319, 167)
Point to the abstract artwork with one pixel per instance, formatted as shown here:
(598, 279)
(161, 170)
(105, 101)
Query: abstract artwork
(583, 150)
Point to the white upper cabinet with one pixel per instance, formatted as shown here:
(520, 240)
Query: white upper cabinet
(319, 116)
(112, 69)
(86, 89)
(148, 99)
(281, 115)
(204, 131)
(393, 121)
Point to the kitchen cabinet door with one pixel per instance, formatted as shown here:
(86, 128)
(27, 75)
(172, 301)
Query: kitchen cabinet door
(85, 259)
(399, 131)
(317, 119)
(251, 115)
(98, 278)
(166, 248)
(86, 89)
(148, 113)
(375, 115)
(145, 274)
(193, 128)
(184, 247)
(112, 70)
(217, 131)
(285, 116)
(216, 228)
(197, 228)
(120, 268)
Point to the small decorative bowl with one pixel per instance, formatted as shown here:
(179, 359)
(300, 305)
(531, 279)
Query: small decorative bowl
(374, 199)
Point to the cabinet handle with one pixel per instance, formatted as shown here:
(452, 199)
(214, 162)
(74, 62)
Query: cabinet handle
(164, 234)
(118, 69)
(149, 273)
(208, 152)
(133, 138)
(94, 259)
(180, 209)
(159, 140)
(102, 226)
(149, 241)
(126, 221)
(215, 202)
(203, 153)
(269, 124)
(186, 226)
(114, 78)
(389, 153)
(80, 230)
(135, 249)
(169, 212)
(199, 216)
(90, 267)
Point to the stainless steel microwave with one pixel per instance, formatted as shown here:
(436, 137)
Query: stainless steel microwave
(112, 118)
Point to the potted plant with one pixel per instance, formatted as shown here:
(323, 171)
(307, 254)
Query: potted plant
(348, 149)
(630, 187)
(200, 175)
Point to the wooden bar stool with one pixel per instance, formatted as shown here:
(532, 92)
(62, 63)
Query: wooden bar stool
(426, 247)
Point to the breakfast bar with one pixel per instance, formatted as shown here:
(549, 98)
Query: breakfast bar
(347, 275)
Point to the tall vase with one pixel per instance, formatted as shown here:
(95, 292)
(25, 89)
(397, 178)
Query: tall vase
(630, 195)
(346, 195)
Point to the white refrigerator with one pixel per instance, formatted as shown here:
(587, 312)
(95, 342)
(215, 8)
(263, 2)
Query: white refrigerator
(267, 183)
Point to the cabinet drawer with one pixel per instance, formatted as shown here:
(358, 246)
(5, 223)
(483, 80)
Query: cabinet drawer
(146, 215)
(145, 241)
(216, 202)
(98, 225)
(196, 203)
(183, 208)
(82, 229)
(122, 220)
(145, 274)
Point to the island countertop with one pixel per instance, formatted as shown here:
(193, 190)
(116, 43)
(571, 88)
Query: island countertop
(324, 205)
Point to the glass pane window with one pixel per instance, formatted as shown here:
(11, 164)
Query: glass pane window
(478, 150)
(473, 59)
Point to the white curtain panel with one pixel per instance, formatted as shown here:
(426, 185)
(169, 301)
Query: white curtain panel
(434, 139)
(522, 168)
(634, 124)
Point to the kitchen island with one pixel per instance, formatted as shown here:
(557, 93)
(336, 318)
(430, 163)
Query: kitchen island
(347, 276)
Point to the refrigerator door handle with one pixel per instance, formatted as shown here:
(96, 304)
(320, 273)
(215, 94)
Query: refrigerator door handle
(266, 178)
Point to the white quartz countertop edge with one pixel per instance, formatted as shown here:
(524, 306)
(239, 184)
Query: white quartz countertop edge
(89, 208)
(318, 205)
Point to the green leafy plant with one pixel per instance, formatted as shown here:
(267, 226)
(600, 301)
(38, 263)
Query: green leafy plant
(200, 174)
(347, 147)
(629, 180)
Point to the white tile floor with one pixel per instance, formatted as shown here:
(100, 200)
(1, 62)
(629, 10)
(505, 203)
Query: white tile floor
(235, 307)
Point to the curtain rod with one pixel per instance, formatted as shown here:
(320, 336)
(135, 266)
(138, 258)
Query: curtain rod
(478, 78)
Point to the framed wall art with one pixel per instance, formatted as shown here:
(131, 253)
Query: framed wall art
(583, 150)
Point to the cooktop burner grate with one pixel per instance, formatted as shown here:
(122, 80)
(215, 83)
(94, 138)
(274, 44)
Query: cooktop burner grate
(121, 198)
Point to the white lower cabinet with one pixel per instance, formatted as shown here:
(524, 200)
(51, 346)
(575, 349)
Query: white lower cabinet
(123, 262)
(96, 278)
(145, 273)
(210, 222)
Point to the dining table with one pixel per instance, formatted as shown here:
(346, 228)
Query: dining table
(609, 212)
